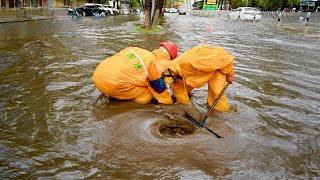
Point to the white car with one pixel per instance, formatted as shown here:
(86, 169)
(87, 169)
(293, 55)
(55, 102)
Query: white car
(107, 8)
(90, 9)
(173, 10)
(245, 13)
(114, 11)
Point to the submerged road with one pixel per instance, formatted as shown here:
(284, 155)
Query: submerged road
(51, 125)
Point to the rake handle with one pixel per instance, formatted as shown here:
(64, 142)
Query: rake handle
(195, 122)
(214, 104)
(217, 135)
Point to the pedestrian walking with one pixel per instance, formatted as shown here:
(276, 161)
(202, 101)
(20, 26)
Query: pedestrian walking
(308, 16)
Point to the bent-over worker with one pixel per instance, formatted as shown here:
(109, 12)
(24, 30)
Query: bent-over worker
(137, 74)
(201, 65)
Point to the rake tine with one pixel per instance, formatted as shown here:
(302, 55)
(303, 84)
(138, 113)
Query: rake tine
(194, 121)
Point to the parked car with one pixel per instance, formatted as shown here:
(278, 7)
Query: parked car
(113, 11)
(75, 13)
(245, 13)
(173, 10)
(89, 9)
(182, 12)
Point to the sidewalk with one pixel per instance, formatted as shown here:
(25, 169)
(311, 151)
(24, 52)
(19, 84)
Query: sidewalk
(289, 21)
(9, 15)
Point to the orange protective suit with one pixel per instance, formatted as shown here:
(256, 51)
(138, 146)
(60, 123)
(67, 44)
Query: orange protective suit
(125, 74)
(201, 65)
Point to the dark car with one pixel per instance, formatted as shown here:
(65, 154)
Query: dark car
(89, 9)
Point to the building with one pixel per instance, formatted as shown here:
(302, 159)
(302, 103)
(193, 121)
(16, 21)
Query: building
(311, 5)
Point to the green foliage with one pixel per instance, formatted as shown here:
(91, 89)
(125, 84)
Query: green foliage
(293, 3)
(102, 2)
(134, 3)
(153, 29)
(237, 3)
(172, 2)
(270, 5)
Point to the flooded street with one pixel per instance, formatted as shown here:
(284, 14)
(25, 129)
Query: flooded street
(52, 124)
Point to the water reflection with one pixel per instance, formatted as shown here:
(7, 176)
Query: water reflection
(52, 126)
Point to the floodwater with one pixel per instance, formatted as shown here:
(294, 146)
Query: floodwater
(52, 124)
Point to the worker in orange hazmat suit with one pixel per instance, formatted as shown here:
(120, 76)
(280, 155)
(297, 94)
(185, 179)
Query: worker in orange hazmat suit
(201, 65)
(138, 74)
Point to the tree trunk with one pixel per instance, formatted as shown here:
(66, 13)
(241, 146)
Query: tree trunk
(147, 23)
(163, 6)
(158, 10)
(156, 16)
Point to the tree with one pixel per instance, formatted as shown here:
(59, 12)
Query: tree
(158, 10)
(270, 5)
(146, 5)
(134, 3)
(254, 3)
(147, 23)
(102, 1)
(237, 3)
(293, 3)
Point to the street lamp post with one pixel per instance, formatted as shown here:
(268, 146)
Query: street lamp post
(247, 3)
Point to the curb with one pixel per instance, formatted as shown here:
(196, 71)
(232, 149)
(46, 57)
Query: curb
(3, 21)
